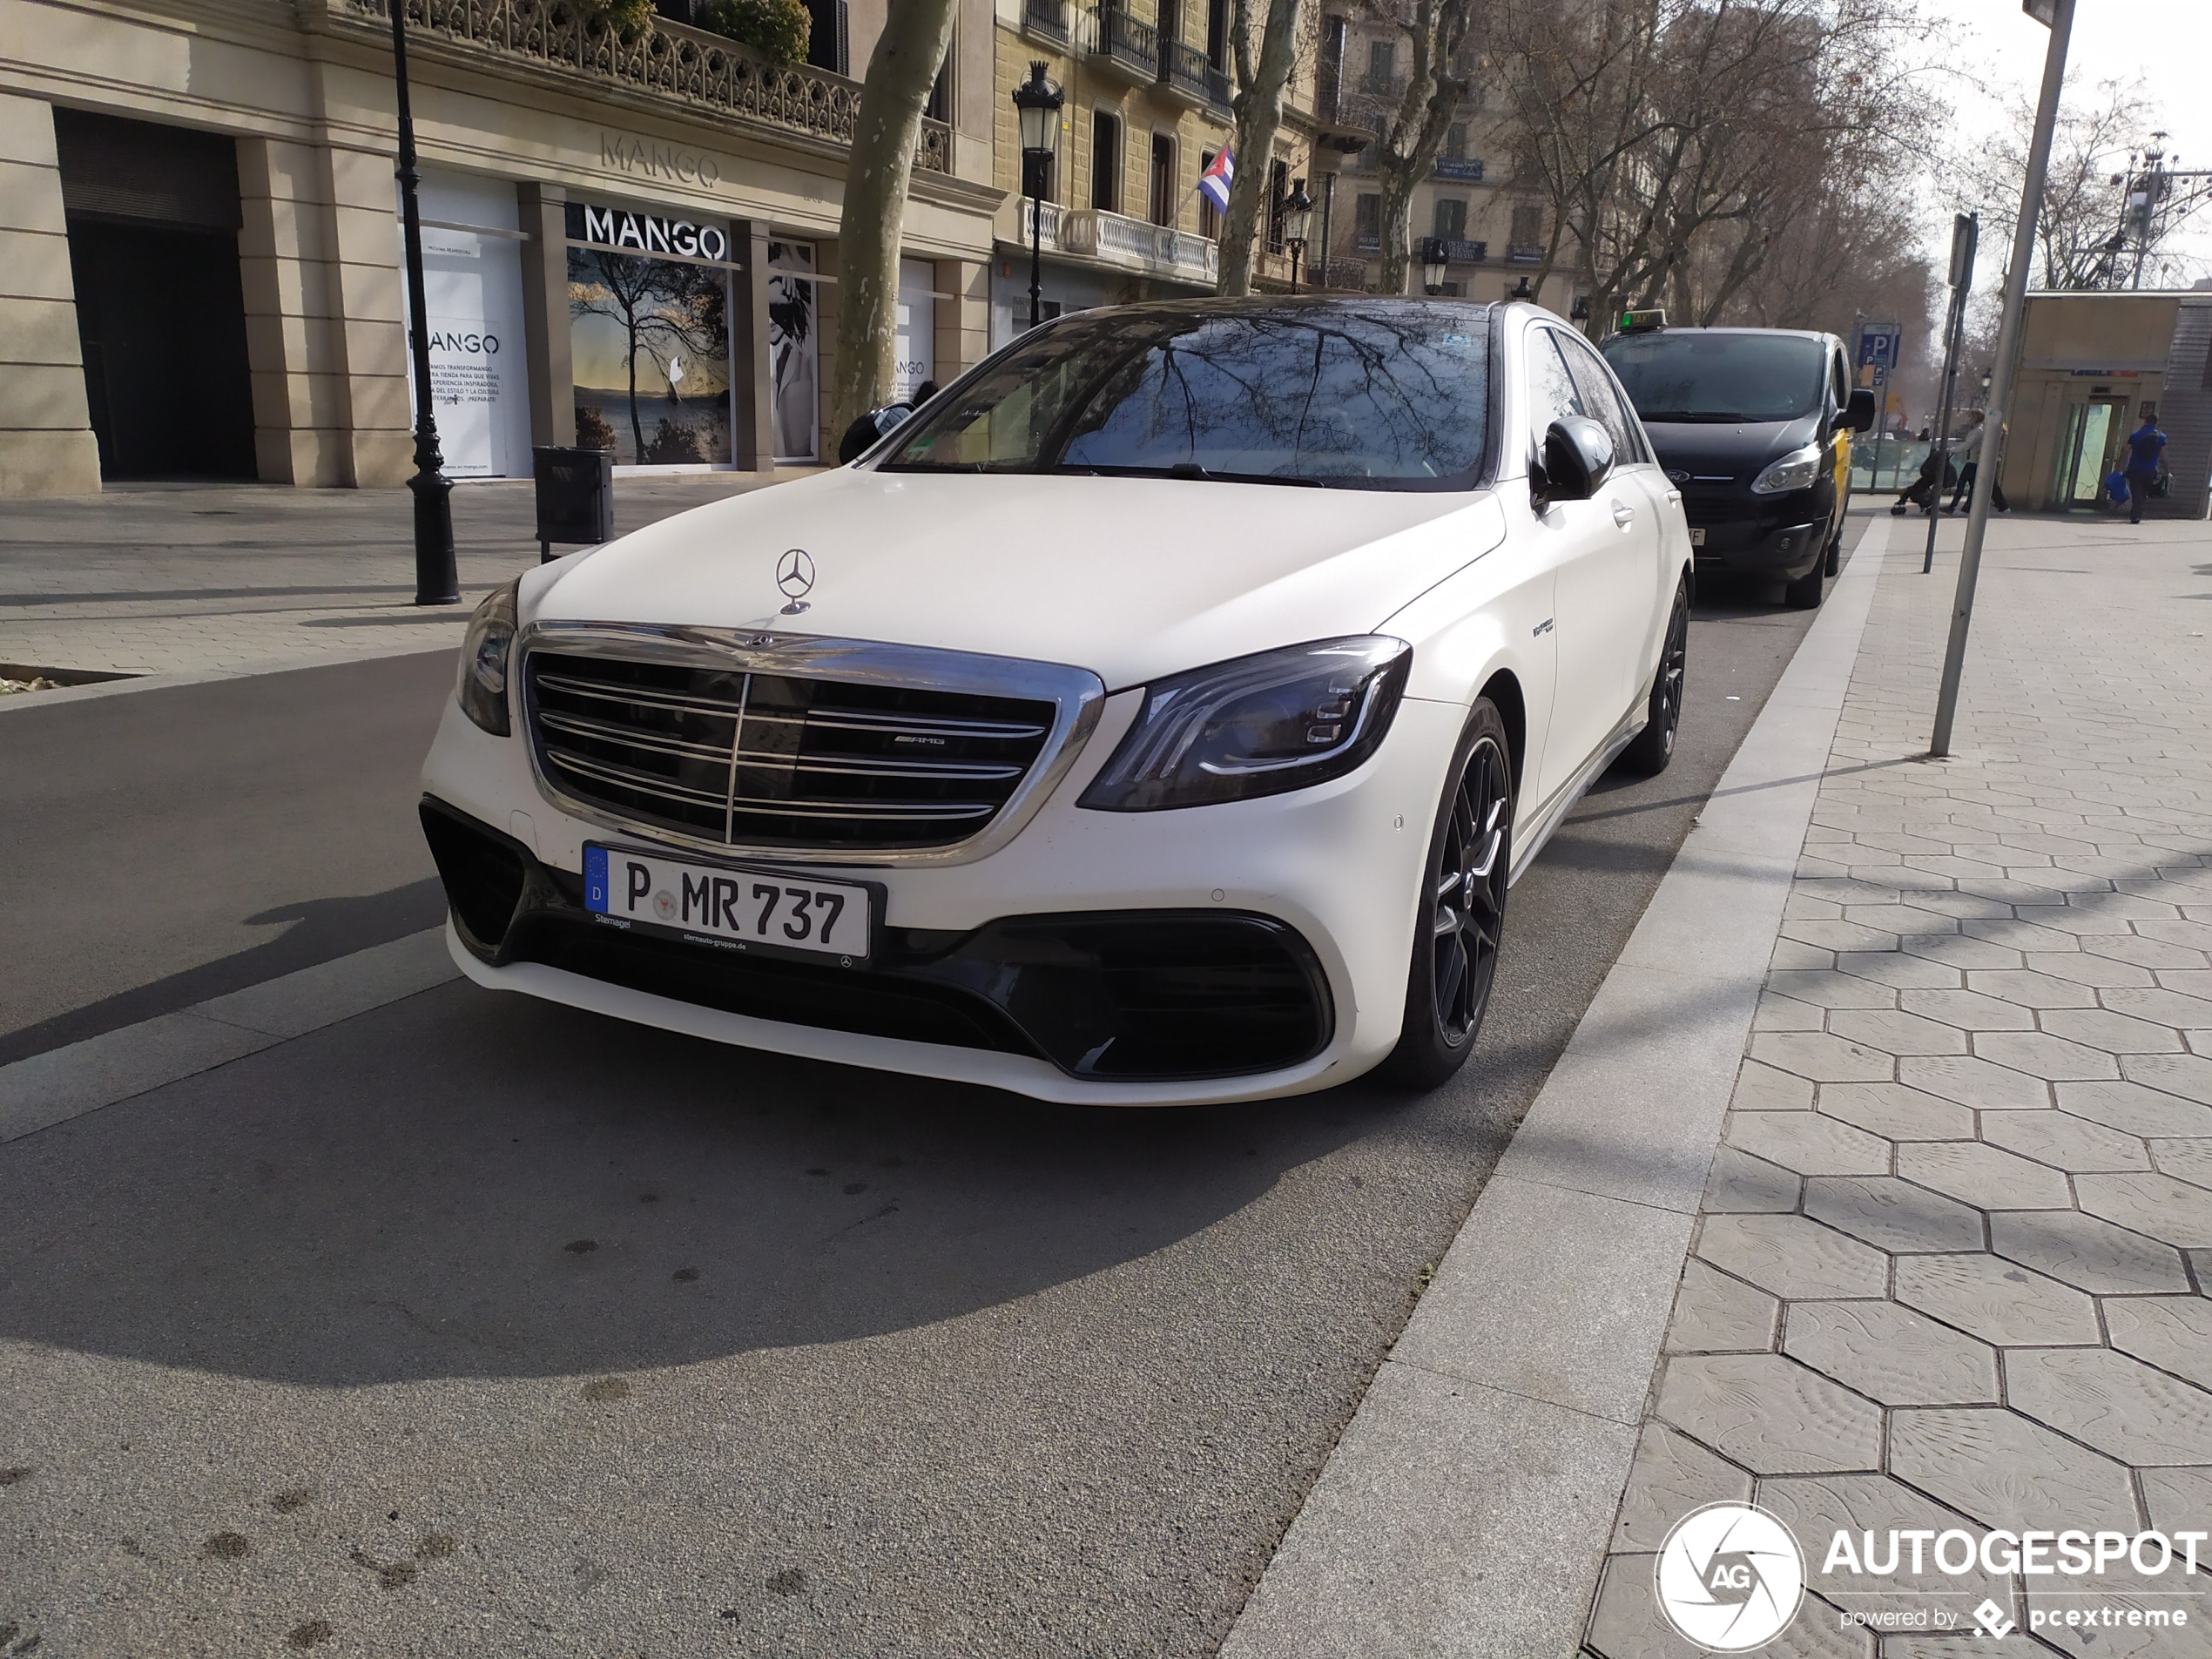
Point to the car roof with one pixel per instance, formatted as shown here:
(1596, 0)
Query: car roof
(1789, 333)
(1263, 304)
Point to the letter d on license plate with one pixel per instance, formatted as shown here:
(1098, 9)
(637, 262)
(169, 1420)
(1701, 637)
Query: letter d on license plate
(729, 906)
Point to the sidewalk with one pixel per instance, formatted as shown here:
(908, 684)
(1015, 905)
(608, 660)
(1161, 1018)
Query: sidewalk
(1952, 1266)
(196, 578)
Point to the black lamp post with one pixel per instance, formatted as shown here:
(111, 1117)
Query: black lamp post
(1522, 291)
(1432, 264)
(1298, 219)
(436, 581)
(1036, 103)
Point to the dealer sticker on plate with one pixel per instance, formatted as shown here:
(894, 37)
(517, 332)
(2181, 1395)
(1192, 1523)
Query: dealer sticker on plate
(730, 906)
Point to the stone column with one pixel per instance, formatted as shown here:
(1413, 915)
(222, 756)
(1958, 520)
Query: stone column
(752, 434)
(964, 320)
(47, 442)
(294, 338)
(543, 218)
(377, 417)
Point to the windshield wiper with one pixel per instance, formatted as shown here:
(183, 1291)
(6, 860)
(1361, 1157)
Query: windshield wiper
(1689, 416)
(1190, 469)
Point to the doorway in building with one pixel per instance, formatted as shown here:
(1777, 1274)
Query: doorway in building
(2093, 428)
(153, 220)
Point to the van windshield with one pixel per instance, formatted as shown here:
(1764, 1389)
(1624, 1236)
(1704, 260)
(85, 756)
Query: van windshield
(1696, 376)
(1379, 395)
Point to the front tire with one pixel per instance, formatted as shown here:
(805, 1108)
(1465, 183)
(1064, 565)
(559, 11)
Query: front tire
(1809, 590)
(1654, 746)
(1461, 921)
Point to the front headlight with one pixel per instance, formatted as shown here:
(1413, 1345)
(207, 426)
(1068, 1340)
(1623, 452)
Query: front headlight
(1796, 470)
(1256, 725)
(483, 661)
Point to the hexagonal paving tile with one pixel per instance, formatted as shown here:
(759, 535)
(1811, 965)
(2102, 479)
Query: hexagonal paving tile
(1892, 1215)
(1816, 1508)
(1716, 1314)
(1740, 1182)
(1897, 1113)
(2189, 1159)
(1838, 935)
(2087, 967)
(1672, 1475)
(2173, 1332)
(2064, 1141)
(2114, 1033)
(2119, 1590)
(1996, 1300)
(1771, 1414)
(2187, 1074)
(1958, 953)
(1821, 1057)
(1980, 1174)
(2145, 952)
(1968, 1010)
(2117, 1404)
(2087, 1251)
(2135, 1108)
(1626, 1623)
(1902, 968)
(1792, 1257)
(2159, 1206)
(1894, 1031)
(2030, 989)
(1809, 1143)
(2165, 1006)
(1891, 1353)
(2177, 1499)
(1829, 989)
(2041, 1056)
(2020, 936)
(1973, 1083)
(2006, 1470)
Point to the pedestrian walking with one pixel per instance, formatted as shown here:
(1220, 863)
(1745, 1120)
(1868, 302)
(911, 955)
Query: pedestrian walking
(2146, 446)
(1971, 444)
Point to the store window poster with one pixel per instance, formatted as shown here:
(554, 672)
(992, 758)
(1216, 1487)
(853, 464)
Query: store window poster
(794, 350)
(472, 289)
(650, 340)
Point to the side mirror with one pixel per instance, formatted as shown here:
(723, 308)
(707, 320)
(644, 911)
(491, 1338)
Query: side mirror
(1858, 415)
(1577, 460)
(861, 436)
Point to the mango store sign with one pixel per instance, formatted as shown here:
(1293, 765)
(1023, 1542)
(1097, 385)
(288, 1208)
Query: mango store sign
(646, 233)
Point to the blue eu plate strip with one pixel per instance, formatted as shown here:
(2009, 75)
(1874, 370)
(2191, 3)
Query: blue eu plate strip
(595, 879)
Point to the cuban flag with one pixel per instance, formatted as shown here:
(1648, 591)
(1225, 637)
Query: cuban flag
(1213, 184)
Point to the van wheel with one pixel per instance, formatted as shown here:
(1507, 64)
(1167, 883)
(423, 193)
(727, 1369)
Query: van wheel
(1460, 920)
(1654, 746)
(1809, 590)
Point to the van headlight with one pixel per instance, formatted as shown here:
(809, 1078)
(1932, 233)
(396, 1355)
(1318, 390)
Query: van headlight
(1796, 470)
(1256, 725)
(483, 661)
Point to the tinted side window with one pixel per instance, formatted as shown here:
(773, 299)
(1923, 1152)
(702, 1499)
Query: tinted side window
(1603, 401)
(1841, 376)
(1551, 389)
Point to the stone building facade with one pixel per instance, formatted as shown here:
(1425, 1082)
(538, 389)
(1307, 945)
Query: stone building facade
(200, 266)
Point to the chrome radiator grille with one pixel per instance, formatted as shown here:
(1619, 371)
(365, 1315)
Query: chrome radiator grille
(767, 759)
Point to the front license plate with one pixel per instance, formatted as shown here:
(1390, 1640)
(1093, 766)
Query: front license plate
(1697, 538)
(728, 906)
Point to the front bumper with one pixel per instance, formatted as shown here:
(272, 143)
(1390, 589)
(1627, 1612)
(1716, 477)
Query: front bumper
(1246, 950)
(1761, 547)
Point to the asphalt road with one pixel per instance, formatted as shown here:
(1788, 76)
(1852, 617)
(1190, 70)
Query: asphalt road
(475, 1325)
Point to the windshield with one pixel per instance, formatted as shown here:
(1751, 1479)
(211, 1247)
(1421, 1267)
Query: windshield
(1387, 396)
(1719, 377)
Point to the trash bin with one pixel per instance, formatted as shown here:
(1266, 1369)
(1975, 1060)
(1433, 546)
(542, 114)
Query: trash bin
(576, 496)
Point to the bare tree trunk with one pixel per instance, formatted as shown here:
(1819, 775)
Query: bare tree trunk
(1259, 106)
(1406, 152)
(901, 71)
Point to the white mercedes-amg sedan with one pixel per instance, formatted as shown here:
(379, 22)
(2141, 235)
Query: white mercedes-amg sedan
(1159, 715)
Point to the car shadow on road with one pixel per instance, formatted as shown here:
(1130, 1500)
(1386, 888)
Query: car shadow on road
(470, 1185)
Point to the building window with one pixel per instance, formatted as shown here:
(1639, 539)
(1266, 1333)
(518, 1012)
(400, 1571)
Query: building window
(1451, 219)
(1105, 160)
(1382, 64)
(1163, 178)
(940, 107)
(1455, 141)
(1279, 186)
(1367, 222)
(1527, 225)
(1209, 217)
(828, 46)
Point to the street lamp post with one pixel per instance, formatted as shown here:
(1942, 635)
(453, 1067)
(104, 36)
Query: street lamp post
(436, 581)
(1298, 219)
(1036, 104)
(1432, 266)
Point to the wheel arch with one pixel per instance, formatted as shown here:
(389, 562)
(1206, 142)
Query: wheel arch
(1503, 689)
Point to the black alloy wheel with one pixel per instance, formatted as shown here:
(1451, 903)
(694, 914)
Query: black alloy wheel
(1654, 746)
(1461, 920)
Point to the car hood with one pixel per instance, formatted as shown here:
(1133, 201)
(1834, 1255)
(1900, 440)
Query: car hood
(1129, 577)
(1736, 450)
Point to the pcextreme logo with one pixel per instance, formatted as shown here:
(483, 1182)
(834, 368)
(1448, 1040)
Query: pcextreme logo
(1729, 1577)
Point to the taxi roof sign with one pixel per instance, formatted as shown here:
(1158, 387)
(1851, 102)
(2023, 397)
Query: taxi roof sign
(1638, 322)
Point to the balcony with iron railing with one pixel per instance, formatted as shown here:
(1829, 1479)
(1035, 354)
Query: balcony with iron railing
(1125, 43)
(669, 60)
(1125, 243)
(1047, 20)
(1183, 71)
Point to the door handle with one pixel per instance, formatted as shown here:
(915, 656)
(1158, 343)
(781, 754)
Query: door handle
(1623, 516)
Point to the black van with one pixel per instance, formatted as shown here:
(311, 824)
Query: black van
(1753, 426)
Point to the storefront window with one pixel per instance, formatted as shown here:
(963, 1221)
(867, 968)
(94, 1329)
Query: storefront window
(794, 343)
(649, 309)
(472, 285)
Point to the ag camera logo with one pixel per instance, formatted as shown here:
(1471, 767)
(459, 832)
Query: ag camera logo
(1729, 1577)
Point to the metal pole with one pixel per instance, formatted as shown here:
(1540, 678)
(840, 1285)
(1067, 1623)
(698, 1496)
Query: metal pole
(436, 581)
(1296, 248)
(1328, 201)
(1037, 237)
(2000, 384)
(1966, 238)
